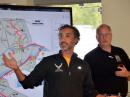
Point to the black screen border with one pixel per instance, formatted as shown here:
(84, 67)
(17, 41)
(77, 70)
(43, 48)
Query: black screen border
(38, 8)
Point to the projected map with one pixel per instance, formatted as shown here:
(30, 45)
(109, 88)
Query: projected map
(28, 35)
(16, 40)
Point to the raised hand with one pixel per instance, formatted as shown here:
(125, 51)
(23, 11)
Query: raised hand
(10, 62)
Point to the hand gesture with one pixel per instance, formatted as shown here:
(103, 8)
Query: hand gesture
(123, 72)
(10, 62)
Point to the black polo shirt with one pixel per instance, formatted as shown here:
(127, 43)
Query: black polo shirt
(60, 79)
(103, 66)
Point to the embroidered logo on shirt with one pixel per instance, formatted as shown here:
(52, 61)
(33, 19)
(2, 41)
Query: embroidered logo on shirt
(111, 57)
(118, 59)
(58, 68)
(79, 67)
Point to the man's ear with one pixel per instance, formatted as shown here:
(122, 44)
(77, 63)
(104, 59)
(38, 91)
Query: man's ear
(76, 41)
(97, 37)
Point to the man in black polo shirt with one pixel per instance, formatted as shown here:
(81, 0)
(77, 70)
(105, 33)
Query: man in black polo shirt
(109, 65)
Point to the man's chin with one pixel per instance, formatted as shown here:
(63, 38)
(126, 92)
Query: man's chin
(64, 49)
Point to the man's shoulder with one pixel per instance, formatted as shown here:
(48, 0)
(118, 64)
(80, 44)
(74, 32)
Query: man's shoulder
(93, 51)
(79, 59)
(116, 48)
(92, 54)
(51, 56)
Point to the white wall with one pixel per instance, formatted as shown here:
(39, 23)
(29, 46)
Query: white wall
(116, 13)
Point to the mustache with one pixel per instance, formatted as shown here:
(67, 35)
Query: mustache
(63, 43)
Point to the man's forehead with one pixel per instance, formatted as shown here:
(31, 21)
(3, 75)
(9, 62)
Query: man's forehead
(104, 29)
(66, 31)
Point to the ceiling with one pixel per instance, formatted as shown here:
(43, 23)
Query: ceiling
(63, 2)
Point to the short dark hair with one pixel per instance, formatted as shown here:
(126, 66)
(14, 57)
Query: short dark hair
(76, 31)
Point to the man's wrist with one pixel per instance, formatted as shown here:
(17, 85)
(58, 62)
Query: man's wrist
(128, 75)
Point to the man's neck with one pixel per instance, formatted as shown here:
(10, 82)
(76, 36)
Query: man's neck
(106, 48)
(67, 53)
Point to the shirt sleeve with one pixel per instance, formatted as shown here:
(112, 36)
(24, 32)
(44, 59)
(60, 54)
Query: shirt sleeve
(125, 59)
(35, 78)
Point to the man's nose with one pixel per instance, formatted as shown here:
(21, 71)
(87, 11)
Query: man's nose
(62, 38)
